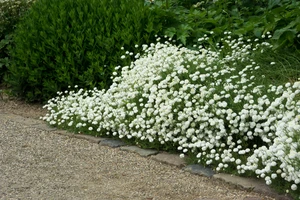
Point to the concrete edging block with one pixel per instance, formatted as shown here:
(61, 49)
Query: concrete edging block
(140, 151)
(112, 142)
(200, 170)
(172, 159)
(89, 138)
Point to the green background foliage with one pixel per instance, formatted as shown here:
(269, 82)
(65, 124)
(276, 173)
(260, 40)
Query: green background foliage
(11, 13)
(190, 20)
(63, 43)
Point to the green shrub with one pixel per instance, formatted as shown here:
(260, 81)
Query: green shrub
(10, 13)
(188, 20)
(64, 43)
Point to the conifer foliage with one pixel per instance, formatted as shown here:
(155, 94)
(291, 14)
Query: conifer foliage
(75, 42)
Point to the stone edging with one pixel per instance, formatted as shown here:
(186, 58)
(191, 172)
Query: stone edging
(252, 184)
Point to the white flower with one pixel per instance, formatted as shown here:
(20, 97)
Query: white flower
(294, 187)
(273, 176)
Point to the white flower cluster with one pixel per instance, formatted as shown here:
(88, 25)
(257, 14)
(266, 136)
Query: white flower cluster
(203, 102)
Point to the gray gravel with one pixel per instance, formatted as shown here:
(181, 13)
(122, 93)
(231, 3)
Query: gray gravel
(37, 164)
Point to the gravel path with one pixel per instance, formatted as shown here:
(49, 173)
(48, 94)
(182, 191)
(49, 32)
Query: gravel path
(37, 164)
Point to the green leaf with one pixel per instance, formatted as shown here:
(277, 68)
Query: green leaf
(183, 33)
(149, 27)
(273, 3)
(258, 32)
(278, 33)
(270, 17)
(170, 32)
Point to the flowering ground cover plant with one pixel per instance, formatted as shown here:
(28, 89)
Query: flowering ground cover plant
(207, 104)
